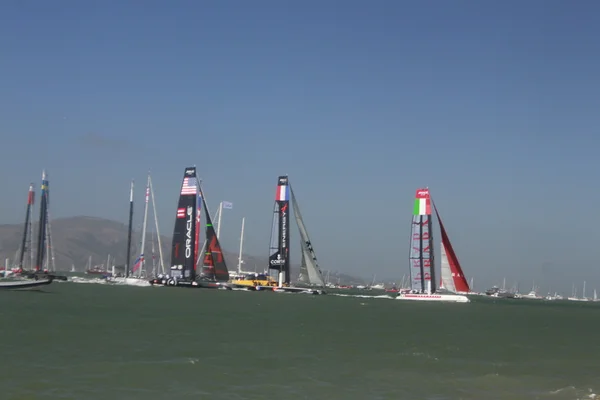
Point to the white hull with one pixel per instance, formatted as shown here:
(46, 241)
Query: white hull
(450, 298)
(576, 299)
(291, 289)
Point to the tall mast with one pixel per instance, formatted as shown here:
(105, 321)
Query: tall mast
(30, 199)
(420, 258)
(422, 272)
(128, 259)
(152, 249)
(31, 250)
(240, 261)
(51, 259)
(42, 225)
(207, 211)
(432, 283)
(160, 253)
(279, 257)
(219, 220)
(142, 245)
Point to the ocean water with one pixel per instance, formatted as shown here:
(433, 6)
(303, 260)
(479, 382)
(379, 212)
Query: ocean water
(93, 341)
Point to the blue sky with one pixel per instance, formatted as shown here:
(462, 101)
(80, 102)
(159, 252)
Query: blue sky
(492, 104)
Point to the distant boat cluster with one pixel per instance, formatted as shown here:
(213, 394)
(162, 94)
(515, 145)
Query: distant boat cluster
(197, 263)
(533, 294)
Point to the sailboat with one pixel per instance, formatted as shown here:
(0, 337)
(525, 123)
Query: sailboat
(136, 275)
(421, 258)
(186, 233)
(27, 240)
(278, 277)
(38, 276)
(574, 294)
(94, 270)
(533, 294)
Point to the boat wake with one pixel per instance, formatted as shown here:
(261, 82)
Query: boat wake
(77, 279)
(571, 392)
(131, 282)
(241, 289)
(113, 281)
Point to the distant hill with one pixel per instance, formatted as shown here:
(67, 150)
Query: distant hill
(75, 239)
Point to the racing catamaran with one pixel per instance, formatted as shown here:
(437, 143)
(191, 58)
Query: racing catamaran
(421, 259)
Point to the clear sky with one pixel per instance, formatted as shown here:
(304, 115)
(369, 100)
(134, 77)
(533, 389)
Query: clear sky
(492, 104)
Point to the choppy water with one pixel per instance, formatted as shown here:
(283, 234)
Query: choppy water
(74, 341)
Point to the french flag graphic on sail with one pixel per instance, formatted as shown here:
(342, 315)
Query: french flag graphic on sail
(138, 262)
(283, 193)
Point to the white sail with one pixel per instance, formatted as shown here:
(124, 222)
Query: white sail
(447, 279)
(141, 257)
(160, 253)
(309, 258)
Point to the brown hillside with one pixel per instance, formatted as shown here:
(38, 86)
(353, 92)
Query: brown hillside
(76, 238)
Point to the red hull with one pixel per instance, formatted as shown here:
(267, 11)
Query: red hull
(94, 272)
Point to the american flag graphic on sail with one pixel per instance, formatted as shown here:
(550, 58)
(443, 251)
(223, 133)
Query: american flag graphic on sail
(188, 186)
(138, 262)
(181, 213)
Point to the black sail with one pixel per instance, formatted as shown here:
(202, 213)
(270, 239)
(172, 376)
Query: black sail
(279, 255)
(184, 249)
(214, 262)
(30, 201)
(42, 225)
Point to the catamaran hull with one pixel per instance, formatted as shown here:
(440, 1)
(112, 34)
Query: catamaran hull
(189, 284)
(450, 298)
(242, 287)
(290, 289)
(24, 285)
(42, 275)
(299, 290)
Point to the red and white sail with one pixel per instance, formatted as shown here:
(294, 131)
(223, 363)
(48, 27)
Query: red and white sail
(453, 279)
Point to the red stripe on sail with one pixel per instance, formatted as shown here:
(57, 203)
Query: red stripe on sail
(197, 238)
(460, 282)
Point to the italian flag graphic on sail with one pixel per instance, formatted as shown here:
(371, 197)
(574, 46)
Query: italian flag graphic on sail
(422, 202)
